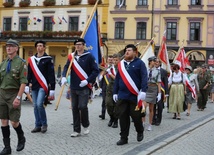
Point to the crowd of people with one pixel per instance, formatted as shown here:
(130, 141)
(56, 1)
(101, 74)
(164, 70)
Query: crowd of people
(130, 91)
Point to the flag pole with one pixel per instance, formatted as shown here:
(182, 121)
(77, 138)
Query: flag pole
(179, 50)
(147, 47)
(82, 35)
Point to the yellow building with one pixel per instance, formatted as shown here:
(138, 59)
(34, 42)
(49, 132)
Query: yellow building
(186, 22)
(58, 24)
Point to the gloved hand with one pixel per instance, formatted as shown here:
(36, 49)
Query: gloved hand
(51, 95)
(115, 97)
(159, 97)
(166, 95)
(109, 71)
(83, 83)
(27, 89)
(100, 77)
(63, 81)
(141, 96)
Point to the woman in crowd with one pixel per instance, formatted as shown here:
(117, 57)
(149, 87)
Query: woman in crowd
(154, 89)
(177, 92)
(194, 84)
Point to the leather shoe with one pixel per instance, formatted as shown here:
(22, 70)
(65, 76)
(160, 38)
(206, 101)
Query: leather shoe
(44, 128)
(101, 116)
(21, 144)
(110, 123)
(157, 123)
(140, 137)
(36, 129)
(122, 142)
(115, 125)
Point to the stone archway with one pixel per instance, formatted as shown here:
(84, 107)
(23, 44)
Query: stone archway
(196, 58)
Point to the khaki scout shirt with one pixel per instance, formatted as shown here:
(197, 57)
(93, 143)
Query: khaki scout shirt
(16, 76)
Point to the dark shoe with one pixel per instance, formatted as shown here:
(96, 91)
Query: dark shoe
(157, 123)
(44, 129)
(36, 129)
(122, 142)
(140, 137)
(153, 122)
(111, 122)
(174, 117)
(115, 125)
(178, 118)
(21, 144)
(102, 116)
(7, 148)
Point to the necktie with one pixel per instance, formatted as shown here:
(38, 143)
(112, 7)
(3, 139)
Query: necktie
(150, 74)
(8, 66)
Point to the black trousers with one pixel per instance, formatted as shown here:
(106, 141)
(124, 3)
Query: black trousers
(125, 109)
(158, 110)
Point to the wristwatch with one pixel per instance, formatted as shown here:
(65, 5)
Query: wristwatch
(18, 97)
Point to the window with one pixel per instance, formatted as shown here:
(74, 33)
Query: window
(48, 24)
(9, 1)
(171, 32)
(7, 24)
(141, 30)
(195, 31)
(119, 30)
(172, 2)
(119, 2)
(23, 24)
(195, 2)
(142, 2)
(73, 23)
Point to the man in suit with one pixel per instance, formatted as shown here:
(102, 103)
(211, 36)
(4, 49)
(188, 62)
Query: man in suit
(158, 108)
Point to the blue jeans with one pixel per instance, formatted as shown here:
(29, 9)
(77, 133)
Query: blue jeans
(39, 110)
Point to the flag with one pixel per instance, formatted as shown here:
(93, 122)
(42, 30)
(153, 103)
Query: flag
(92, 38)
(28, 21)
(181, 59)
(34, 18)
(60, 20)
(39, 20)
(189, 86)
(149, 53)
(64, 20)
(163, 56)
(53, 20)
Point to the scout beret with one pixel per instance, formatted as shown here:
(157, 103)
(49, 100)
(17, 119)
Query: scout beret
(189, 67)
(12, 42)
(79, 40)
(152, 58)
(130, 46)
(40, 41)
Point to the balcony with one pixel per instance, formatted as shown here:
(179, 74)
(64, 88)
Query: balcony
(24, 3)
(33, 35)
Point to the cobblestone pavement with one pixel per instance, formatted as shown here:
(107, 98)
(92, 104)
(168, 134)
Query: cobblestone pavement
(102, 139)
(197, 142)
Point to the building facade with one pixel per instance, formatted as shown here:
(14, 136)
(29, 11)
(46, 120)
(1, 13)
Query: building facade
(58, 23)
(185, 22)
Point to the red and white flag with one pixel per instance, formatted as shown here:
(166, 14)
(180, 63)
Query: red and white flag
(189, 86)
(163, 56)
(181, 59)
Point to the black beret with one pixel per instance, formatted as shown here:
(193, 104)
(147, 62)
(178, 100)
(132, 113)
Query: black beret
(152, 58)
(130, 46)
(12, 42)
(79, 40)
(40, 41)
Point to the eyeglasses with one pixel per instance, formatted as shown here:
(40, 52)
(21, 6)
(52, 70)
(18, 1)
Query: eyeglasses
(7, 46)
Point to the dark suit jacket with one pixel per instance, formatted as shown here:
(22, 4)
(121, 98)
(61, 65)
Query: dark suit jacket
(164, 79)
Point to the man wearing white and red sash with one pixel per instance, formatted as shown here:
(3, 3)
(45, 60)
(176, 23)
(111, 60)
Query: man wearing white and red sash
(83, 73)
(129, 87)
(42, 77)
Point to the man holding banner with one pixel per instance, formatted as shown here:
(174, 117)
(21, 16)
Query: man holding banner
(129, 90)
(83, 73)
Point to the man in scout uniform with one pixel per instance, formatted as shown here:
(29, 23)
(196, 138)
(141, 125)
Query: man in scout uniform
(13, 78)
(204, 79)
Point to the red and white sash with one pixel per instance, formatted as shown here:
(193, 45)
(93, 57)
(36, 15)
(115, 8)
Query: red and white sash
(78, 70)
(39, 76)
(127, 79)
(130, 84)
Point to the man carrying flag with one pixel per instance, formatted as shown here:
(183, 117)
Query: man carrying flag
(84, 71)
(129, 88)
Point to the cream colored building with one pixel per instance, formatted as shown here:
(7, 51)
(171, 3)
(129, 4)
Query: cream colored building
(66, 17)
(187, 22)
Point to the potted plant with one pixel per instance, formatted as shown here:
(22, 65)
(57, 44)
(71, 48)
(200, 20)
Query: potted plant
(75, 2)
(8, 4)
(92, 2)
(49, 2)
(24, 3)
